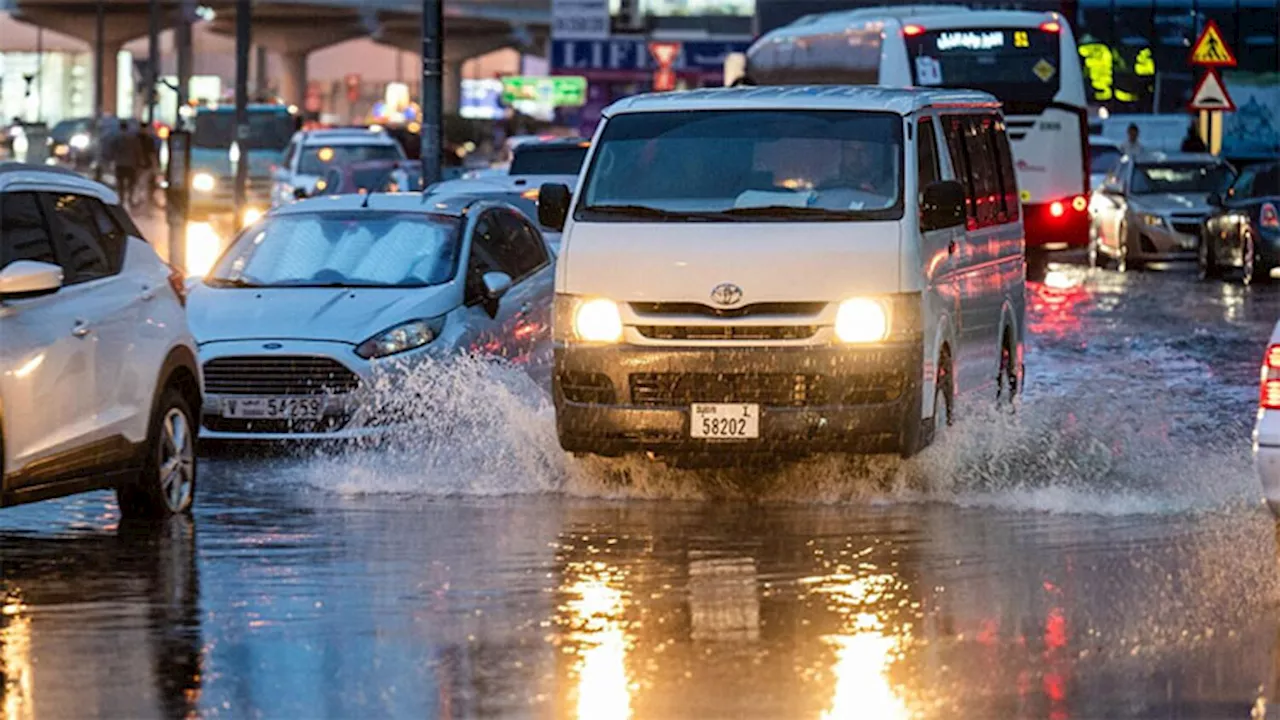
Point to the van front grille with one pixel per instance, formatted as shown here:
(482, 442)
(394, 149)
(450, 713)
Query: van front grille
(794, 309)
(767, 389)
(728, 332)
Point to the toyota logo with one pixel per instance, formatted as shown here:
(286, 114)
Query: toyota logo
(726, 294)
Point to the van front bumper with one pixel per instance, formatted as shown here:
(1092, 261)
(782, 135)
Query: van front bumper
(618, 399)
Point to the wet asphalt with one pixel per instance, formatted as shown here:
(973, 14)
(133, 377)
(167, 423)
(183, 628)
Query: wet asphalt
(1102, 553)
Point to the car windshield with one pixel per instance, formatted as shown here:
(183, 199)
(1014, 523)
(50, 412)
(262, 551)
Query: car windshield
(1103, 159)
(739, 164)
(390, 178)
(552, 160)
(269, 130)
(317, 159)
(1200, 178)
(343, 249)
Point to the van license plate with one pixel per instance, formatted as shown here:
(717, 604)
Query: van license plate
(725, 422)
(273, 408)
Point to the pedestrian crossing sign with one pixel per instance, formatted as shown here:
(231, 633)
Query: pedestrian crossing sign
(1211, 50)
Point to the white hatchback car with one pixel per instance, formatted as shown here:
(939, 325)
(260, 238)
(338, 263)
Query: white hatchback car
(1266, 432)
(99, 384)
(311, 154)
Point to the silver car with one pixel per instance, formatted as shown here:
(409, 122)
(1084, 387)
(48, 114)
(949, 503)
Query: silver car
(324, 304)
(1150, 208)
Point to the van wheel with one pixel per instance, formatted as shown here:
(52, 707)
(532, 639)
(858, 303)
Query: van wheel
(1007, 380)
(166, 485)
(919, 433)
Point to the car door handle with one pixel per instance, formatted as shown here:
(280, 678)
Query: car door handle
(81, 329)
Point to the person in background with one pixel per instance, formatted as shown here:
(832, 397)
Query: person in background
(1133, 146)
(149, 164)
(125, 156)
(1192, 142)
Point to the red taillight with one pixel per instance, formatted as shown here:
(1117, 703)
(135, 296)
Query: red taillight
(179, 285)
(1270, 219)
(1050, 26)
(1057, 209)
(1079, 203)
(1270, 396)
(912, 30)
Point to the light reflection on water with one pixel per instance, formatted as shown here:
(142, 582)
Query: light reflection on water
(865, 648)
(15, 661)
(596, 627)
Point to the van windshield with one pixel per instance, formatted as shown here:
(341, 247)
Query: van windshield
(761, 165)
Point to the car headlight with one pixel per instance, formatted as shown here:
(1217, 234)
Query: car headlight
(598, 321)
(401, 338)
(1154, 221)
(203, 182)
(862, 320)
(79, 141)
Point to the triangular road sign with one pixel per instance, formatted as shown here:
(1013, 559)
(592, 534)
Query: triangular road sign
(1211, 94)
(1211, 50)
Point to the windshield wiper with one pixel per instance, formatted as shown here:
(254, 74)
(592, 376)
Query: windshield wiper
(639, 211)
(231, 283)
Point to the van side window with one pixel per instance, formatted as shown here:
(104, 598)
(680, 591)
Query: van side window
(927, 169)
(986, 184)
(954, 128)
(1008, 178)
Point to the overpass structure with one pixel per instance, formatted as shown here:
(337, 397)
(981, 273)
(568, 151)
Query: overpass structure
(296, 28)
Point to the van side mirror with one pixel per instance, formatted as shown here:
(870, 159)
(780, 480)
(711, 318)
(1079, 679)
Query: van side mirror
(942, 205)
(22, 279)
(1215, 199)
(553, 205)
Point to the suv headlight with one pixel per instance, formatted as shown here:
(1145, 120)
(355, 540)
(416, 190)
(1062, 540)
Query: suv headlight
(862, 320)
(203, 182)
(598, 321)
(401, 338)
(1154, 221)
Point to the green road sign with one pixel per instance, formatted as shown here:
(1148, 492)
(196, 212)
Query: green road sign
(559, 91)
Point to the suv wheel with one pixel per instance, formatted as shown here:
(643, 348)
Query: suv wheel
(166, 484)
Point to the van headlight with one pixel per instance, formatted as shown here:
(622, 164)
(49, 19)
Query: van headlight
(862, 320)
(401, 338)
(598, 321)
(203, 182)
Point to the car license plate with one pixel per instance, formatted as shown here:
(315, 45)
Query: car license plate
(725, 422)
(280, 408)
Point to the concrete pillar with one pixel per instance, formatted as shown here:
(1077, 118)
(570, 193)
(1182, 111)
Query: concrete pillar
(452, 86)
(109, 76)
(293, 81)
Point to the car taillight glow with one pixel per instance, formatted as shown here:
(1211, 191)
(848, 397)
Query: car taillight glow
(1050, 26)
(912, 30)
(1057, 209)
(1269, 217)
(1079, 203)
(1270, 395)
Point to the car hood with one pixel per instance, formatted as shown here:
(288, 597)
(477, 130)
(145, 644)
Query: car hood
(1172, 203)
(350, 315)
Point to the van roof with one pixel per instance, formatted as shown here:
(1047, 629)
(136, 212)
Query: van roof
(948, 16)
(902, 101)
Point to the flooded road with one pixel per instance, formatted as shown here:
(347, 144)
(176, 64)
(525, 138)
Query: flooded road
(1102, 553)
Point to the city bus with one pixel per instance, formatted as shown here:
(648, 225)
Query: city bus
(1028, 60)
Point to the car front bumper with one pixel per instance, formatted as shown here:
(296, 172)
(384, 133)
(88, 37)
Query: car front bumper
(612, 400)
(1165, 242)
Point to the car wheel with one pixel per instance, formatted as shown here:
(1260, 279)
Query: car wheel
(1206, 259)
(919, 433)
(1123, 263)
(1097, 258)
(1252, 271)
(166, 484)
(1007, 380)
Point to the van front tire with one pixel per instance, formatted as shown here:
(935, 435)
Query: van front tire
(918, 433)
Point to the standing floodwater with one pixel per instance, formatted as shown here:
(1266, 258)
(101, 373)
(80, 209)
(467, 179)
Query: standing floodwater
(1099, 553)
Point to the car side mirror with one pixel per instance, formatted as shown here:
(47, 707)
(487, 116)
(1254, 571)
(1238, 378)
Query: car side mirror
(553, 205)
(1215, 199)
(496, 284)
(22, 279)
(942, 205)
(300, 193)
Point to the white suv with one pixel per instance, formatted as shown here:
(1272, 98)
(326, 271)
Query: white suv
(312, 153)
(99, 384)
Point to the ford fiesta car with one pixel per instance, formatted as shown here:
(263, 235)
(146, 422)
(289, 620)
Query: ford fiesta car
(325, 299)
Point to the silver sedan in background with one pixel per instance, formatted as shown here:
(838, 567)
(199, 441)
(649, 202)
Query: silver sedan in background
(1150, 208)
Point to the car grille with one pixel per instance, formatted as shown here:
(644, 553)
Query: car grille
(770, 390)
(592, 388)
(1187, 227)
(758, 309)
(334, 423)
(278, 376)
(727, 332)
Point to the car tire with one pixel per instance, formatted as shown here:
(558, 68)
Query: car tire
(166, 483)
(1252, 272)
(1097, 258)
(1123, 262)
(919, 433)
(1206, 259)
(1007, 380)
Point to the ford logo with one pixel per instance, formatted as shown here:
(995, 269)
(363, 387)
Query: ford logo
(272, 346)
(726, 294)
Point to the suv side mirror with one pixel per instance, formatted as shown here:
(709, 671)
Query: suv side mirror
(942, 205)
(553, 205)
(22, 279)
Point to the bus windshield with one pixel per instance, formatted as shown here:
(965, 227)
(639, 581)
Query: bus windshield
(1021, 65)
(270, 130)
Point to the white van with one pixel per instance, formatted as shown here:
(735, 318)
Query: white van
(786, 270)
